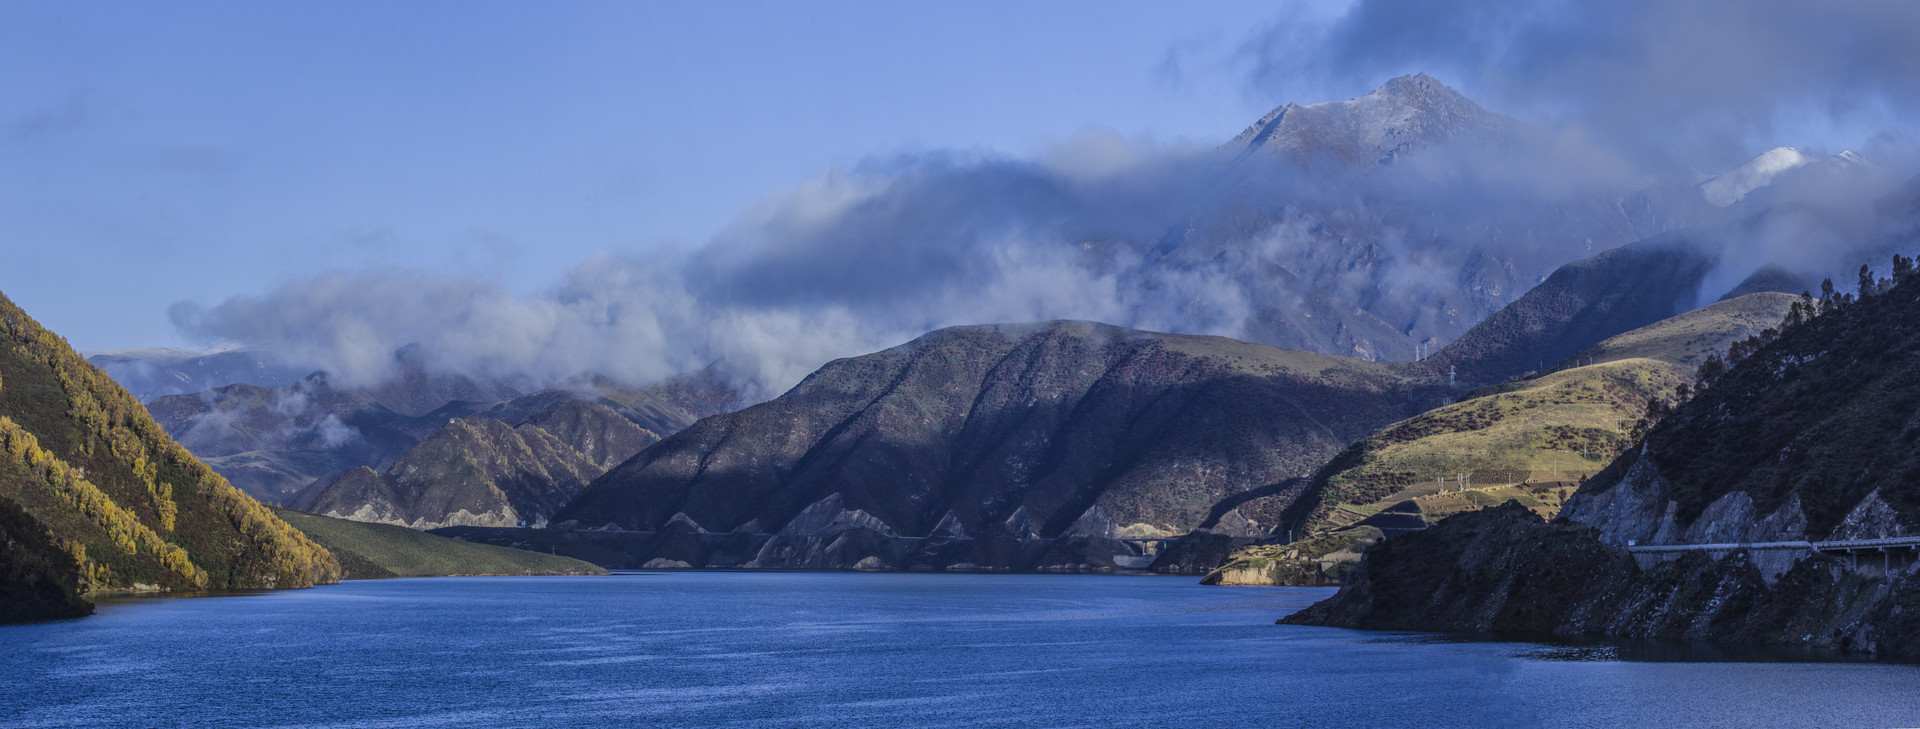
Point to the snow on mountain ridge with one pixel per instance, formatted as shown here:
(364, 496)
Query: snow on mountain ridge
(1403, 115)
(167, 353)
(1734, 184)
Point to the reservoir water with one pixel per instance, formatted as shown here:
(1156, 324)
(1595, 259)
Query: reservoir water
(880, 650)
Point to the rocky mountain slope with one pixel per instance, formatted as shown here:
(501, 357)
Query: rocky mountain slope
(275, 443)
(1327, 216)
(1583, 303)
(1403, 116)
(973, 435)
(271, 442)
(515, 463)
(1009, 447)
(1805, 436)
(1529, 440)
(1324, 216)
(95, 497)
(483, 472)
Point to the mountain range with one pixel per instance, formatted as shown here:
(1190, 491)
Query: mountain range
(277, 443)
(1064, 445)
(1387, 226)
(1049, 446)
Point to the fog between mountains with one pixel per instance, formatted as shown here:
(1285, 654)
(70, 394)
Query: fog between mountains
(867, 258)
(870, 258)
(1096, 228)
(1667, 83)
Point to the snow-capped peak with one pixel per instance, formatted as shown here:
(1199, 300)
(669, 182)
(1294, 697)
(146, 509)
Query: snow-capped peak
(1848, 158)
(1754, 174)
(1403, 115)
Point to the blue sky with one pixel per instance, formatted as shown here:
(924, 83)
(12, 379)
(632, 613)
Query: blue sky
(151, 153)
(195, 152)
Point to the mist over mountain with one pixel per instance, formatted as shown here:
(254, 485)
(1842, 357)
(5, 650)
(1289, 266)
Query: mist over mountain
(274, 442)
(1379, 228)
(151, 372)
(1664, 84)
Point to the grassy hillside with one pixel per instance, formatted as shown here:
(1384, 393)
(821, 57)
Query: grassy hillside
(83, 461)
(1531, 441)
(1583, 302)
(371, 551)
(1688, 339)
(1562, 426)
(1565, 425)
(1328, 556)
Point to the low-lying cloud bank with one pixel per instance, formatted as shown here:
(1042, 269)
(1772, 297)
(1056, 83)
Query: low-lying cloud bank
(847, 264)
(1666, 82)
(1175, 238)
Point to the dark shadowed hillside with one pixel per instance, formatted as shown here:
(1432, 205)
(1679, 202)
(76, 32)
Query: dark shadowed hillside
(996, 443)
(1580, 304)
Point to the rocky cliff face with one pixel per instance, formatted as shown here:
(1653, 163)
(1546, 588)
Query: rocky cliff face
(1506, 571)
(1805, 437)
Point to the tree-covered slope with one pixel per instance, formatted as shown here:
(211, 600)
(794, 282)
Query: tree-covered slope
(39, 576)
(81, 458)
(1825, 414)
(1807, 433)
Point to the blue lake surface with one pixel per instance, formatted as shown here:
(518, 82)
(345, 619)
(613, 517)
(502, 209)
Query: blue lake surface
(883, 650)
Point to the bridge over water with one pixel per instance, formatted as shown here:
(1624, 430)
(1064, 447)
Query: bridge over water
(1853, 548)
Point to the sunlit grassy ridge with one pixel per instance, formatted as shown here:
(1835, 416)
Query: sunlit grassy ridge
(1564, 425)
(1508, 440)
(1561, 426)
